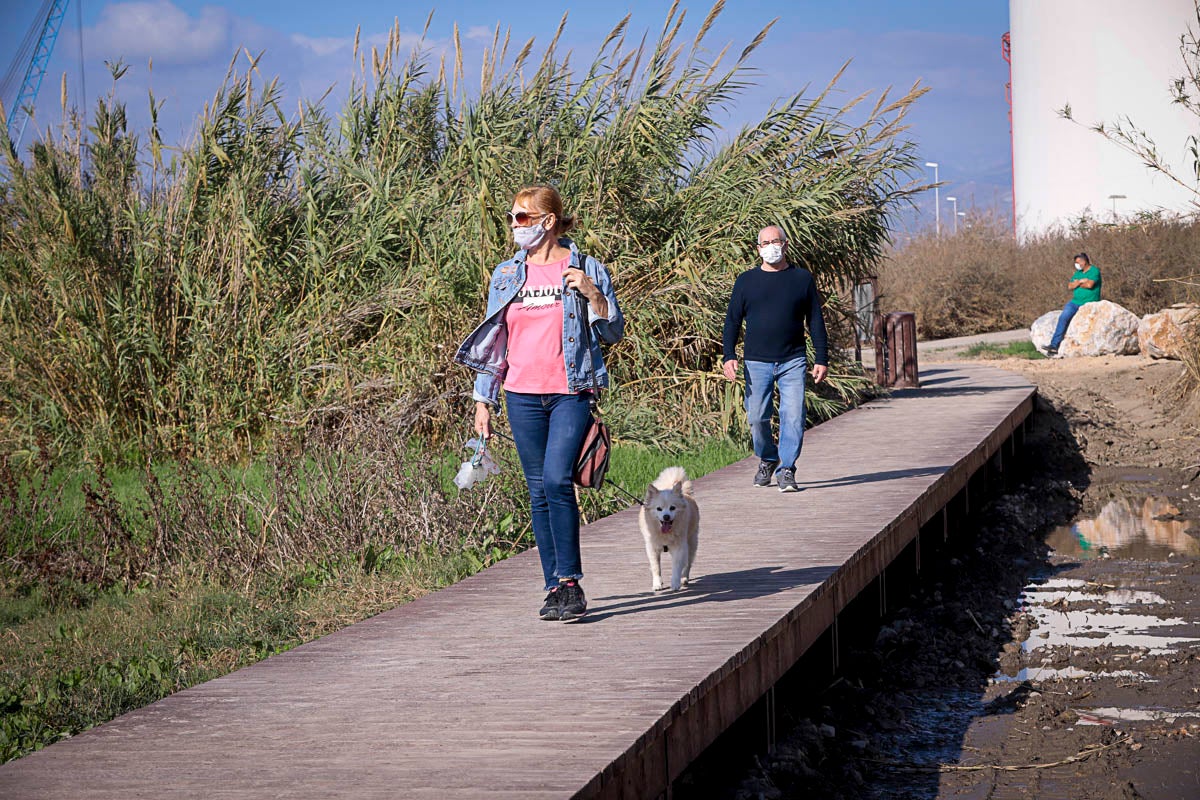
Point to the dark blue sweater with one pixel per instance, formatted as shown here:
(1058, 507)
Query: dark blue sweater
(774, 306)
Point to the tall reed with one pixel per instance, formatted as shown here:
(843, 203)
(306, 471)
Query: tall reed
(281, 271)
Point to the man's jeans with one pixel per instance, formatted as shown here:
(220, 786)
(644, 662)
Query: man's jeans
(1064, 320)
(548, 430)
(761, 379)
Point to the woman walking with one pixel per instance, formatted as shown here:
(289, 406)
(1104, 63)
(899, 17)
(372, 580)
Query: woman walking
(533, 342)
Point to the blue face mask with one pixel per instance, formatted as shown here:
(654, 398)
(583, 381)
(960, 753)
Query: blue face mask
(529, 236)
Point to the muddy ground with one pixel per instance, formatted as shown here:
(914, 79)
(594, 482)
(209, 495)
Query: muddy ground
(1054, 652)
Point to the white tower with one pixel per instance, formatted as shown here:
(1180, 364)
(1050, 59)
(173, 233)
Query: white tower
(1107, 59)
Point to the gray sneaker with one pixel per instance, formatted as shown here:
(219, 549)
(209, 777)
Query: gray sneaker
(787, 480)
(766, 469)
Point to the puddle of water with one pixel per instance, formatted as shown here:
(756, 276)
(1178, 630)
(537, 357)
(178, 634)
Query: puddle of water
(1111, 625)
(1129, 529)
(1118, 598)
(1091, 629)
(1044, 674)
(1109, 715)
(1080, 629)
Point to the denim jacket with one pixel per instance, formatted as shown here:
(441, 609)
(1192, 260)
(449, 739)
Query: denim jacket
(486, 349)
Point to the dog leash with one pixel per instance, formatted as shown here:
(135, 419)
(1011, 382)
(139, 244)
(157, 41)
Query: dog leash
(607, 482)
(625, 492)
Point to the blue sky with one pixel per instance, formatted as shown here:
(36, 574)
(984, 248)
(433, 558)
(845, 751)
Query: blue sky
(953, 47)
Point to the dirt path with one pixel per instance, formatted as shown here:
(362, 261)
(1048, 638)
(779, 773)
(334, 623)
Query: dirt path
(1056, 654)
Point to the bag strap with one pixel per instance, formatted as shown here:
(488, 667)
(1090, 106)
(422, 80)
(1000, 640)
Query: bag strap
(584, 320)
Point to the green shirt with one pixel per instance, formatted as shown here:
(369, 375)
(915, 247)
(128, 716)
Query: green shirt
(1082, 295)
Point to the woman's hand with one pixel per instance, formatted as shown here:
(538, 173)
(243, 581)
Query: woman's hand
(578, 280)
(483, 420)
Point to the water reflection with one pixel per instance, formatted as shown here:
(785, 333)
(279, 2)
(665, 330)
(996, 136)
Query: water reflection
(1129, 529)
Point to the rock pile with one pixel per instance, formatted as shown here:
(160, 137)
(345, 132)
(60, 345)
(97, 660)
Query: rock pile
(1098, 329)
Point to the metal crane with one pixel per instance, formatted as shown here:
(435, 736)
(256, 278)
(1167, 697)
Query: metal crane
(50, 15)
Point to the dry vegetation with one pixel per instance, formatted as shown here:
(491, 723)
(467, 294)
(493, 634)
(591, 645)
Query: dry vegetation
(982, 280)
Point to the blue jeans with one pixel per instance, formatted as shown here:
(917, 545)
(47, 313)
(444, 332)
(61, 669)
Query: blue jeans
(1064, 321)
(761, 379)
(548, 430)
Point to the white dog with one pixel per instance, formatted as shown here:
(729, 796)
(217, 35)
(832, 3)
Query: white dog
(670, 522)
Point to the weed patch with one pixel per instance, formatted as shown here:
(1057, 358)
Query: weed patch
(1011, 350)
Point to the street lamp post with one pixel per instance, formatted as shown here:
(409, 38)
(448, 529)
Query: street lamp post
(937, 205)
(1115, 198)
(954, 200)
(958, 214)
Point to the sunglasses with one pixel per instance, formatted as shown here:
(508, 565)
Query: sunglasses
(522, 218)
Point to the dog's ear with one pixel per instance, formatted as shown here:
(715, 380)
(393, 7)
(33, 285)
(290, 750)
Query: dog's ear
(678, 487)
(651, 492)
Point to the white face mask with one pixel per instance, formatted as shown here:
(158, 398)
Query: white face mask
(772, 253)
(1077, 268)
(529, 236)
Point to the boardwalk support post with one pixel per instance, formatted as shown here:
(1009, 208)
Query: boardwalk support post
(769, 700)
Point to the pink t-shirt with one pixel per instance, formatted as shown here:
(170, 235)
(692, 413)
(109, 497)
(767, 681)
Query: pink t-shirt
(535, 330)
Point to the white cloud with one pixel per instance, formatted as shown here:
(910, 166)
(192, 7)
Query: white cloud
(323, 45)
(480, 32)
(159, 30)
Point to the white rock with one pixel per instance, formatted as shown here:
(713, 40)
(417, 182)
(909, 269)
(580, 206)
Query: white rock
(1098, 329)
(1042, 330)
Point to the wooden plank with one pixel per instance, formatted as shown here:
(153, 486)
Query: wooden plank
(466, 693)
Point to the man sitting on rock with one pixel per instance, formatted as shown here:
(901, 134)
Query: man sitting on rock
(1085, 286)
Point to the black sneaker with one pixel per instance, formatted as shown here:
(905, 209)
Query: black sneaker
(1051, 351)
(787, 480)
(553, 605)
(572, 604)
(765, 470)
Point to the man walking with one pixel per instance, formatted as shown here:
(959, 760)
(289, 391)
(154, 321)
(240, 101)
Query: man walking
(774, 299)
(1085, 288)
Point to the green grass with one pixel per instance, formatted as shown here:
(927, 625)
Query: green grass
(634, 467)
(128, 487)
(1011, 350)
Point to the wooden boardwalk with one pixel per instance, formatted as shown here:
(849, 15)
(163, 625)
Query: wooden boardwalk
(466, 694)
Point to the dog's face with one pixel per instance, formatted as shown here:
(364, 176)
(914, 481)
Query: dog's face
(665, 506)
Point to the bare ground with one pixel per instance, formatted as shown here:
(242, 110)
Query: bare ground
(1036, 661)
